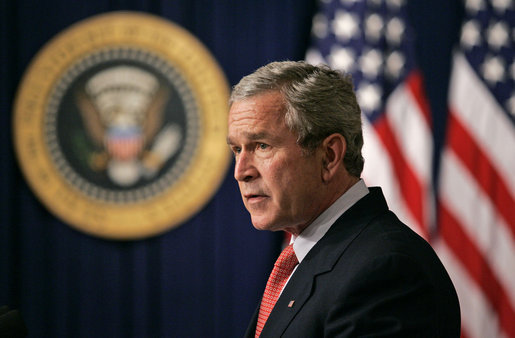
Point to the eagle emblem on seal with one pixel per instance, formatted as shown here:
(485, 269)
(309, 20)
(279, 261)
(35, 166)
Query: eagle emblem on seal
(122, 109)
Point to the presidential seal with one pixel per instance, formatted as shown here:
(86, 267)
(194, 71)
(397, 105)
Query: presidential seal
(120, 124)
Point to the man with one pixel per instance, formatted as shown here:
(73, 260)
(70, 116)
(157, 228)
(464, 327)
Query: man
(295, 131)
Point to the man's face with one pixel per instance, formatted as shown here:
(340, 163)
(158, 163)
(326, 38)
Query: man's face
(279, 183)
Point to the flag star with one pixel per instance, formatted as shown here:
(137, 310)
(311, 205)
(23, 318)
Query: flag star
(341, 58)
(373, 27)
(314, 57)
(394, 30)
(497, 35)
(369, 97)
(501, 5)
(493, 69)
(320, 26)
(395, 3)
(370, 62)
(474, 6)
(345, 25)
(348, 2)
(470, 35)
(394, 64)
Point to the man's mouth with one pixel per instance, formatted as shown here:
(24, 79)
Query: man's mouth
(252, 198)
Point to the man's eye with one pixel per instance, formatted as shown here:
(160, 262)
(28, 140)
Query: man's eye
(262, 146)
(236, 150)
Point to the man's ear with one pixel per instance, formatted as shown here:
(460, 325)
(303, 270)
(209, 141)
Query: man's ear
(334, 147)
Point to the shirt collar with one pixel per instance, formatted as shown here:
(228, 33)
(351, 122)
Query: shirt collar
(303, 243)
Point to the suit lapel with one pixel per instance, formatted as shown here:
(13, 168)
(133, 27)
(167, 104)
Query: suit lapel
(320, 259)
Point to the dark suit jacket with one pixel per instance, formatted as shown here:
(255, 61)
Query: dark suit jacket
(370, 275)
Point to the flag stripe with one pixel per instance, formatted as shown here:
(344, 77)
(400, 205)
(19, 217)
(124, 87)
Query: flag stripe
(480, 113)
(410, 186)
(477, 267)
(377, 157)
(478, 319)
(479, 165)
(416, 86)
(408, 117)
(410, 126)
(462, 196)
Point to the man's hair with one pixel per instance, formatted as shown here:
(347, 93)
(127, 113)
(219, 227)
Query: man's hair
(318, 102)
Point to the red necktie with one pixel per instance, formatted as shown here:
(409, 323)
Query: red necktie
(283, 268)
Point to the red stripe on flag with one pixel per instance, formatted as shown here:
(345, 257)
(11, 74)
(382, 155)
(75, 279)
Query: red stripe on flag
(411, 188)
(478, 268)
(416, 87)
(478, 164)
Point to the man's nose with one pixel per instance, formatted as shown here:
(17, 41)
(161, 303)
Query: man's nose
(244, 169)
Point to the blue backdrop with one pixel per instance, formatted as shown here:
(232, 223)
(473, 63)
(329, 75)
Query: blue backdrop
(204, 278)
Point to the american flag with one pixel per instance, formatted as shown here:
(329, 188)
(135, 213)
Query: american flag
(476, 201)
(472, 226)
(373, 41)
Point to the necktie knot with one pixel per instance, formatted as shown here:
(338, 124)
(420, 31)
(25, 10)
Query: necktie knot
(283, 268)
(287, 260)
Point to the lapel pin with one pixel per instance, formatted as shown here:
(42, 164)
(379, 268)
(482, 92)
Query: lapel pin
(290, 304)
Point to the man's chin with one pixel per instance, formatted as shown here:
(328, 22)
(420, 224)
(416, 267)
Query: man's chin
(268, 225)
(260, 224)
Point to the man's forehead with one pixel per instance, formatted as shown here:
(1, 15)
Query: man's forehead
(251, 113)
(257, 117)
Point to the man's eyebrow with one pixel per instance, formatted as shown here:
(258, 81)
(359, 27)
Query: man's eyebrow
(257, 136)
(252, 136)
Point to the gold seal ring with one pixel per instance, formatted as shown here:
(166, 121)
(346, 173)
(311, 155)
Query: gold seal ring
(120, 125)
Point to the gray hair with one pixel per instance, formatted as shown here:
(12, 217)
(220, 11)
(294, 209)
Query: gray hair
(319, 102)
